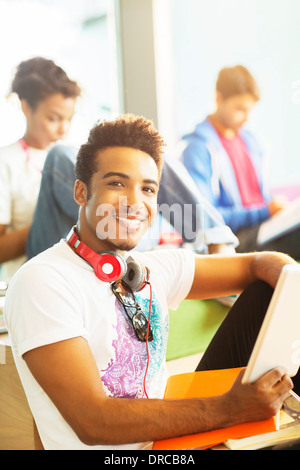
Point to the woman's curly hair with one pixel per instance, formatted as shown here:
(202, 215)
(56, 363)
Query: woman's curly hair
(37, 78)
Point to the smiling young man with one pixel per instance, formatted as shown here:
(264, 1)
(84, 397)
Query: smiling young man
(91, 379)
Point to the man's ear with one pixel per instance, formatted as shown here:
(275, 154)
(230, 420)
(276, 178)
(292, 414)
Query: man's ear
(80, 192)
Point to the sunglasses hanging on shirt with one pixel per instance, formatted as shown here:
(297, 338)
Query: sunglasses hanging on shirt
(134, 312)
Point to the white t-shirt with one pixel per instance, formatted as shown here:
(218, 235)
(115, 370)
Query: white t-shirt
(56, 296)
(20, 180)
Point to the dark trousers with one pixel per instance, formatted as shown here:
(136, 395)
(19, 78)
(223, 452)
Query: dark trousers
(233, 342)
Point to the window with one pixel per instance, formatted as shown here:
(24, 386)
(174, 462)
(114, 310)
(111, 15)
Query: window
(78, 36)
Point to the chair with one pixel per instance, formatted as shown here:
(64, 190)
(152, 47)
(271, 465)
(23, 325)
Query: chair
(18, 430)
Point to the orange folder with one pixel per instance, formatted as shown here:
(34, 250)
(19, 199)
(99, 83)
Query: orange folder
(206, 384)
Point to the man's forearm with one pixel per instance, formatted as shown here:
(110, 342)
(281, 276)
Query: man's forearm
(148, 420)
(218, 275)
(267, 266)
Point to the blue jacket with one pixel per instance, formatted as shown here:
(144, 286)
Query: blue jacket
(209, 165)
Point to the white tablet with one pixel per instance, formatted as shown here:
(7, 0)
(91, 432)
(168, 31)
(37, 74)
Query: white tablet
(278, 342)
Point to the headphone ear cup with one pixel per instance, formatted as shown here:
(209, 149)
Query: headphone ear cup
(136, 275)
(110, 266)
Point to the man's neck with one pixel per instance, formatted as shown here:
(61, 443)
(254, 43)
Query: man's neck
(220, 128)
(93, 241)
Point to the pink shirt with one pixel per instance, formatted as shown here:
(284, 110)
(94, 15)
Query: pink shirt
(244, 170)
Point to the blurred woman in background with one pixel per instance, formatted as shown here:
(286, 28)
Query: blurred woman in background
(48, 98)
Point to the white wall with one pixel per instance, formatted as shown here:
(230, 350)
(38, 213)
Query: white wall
(263, 35)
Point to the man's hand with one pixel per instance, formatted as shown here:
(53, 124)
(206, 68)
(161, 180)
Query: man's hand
(261, 399)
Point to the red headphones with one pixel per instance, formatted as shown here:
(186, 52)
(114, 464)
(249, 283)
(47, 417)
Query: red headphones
(109, 266)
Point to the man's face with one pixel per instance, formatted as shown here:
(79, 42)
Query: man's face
(122, 199)
(234, 112)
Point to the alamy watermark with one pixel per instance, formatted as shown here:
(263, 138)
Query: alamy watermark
(189, 220)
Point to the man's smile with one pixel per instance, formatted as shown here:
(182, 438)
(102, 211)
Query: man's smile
(131, 224)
